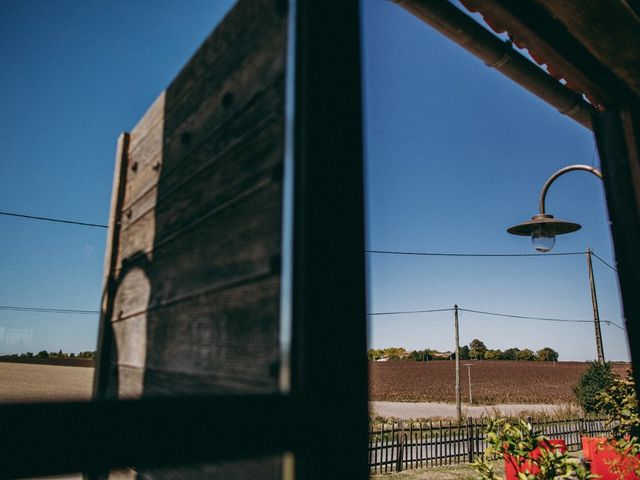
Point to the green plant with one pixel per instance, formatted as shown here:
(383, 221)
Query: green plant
(519, 440)
(594, 380)
(620, 403)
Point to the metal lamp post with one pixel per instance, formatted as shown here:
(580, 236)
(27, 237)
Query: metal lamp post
(543, 229)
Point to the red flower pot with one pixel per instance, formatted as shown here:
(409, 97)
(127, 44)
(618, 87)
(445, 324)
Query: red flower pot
(513, 465)
(604, 459)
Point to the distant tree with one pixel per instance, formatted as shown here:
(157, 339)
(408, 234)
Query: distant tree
(597, 378)
(87, 354)
(29, 354)
(526, 354)
(464, 353)
(72, 355)
(547, 354)
(421, 355)
(373, 354)
(392, 353)
(510, 353)
(493, 355)
(477, 349)
(395, 353)
(43, 354)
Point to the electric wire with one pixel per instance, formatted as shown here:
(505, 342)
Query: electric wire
(595, 255)
(55, 220)
(406, 312)
(496, 314)
(49, 310)
(442, 254)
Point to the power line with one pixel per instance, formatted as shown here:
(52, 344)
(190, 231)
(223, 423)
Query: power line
(56, 220)
(612, 268)
(525, 317)
(496, 314)
(49, 310)
(545, 319)
(412, 311)
(438, 254)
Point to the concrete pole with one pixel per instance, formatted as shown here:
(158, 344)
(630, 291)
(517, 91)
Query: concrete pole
(457, 336)
(596, 313)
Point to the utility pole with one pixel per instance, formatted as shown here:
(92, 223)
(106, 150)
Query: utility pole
(457, 335)
(469, 365)
(596, 313)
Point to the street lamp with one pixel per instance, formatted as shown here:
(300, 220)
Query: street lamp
(543, 228)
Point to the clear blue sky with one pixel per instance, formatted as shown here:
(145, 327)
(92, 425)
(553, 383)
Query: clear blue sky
(455, 154)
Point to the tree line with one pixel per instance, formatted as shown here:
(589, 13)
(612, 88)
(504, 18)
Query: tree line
(476, 350)
(44, 354)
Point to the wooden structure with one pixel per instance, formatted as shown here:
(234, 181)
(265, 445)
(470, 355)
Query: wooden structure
(190, 319)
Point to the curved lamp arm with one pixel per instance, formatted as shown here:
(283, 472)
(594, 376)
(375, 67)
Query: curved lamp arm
(560, 172)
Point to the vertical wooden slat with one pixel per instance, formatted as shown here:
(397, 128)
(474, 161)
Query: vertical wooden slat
(385, 451)
(423, 448)
(470, 439)
(104, 360)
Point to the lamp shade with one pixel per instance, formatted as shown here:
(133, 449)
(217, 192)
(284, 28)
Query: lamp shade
(545, 223)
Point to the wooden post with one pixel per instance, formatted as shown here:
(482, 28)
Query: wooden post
(596, 312)
(457, 337)
(400, 446)
(104, 361)
(470, 438)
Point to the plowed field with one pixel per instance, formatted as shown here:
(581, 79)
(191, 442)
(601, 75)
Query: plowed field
(492, 382)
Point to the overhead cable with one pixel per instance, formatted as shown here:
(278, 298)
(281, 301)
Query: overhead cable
(442, 254)
(412, 311)
(56, 220)
(612, 268)
(49, 310)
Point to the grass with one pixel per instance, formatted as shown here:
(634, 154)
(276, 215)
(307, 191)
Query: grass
(447, 472)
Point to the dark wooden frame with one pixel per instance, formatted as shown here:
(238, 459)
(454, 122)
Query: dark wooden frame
(329, 323)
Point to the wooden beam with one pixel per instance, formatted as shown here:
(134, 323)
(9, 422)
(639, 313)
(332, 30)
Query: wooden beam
(329, 356)
(618, 138)
(58, 438)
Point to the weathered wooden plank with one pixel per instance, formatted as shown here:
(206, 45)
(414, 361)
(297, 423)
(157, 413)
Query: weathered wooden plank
(165, 148)
(105, 359)
(212, 175)
(130, 381)
(153, 117)
(222, 342)
(229, 246)
(246, 31)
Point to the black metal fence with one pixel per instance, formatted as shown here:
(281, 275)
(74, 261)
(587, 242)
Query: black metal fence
(406, 444)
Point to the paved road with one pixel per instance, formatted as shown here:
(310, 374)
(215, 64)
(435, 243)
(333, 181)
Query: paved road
(415, 410)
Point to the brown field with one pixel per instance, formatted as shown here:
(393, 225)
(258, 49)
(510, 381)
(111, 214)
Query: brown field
(492, 382)
(21, 382)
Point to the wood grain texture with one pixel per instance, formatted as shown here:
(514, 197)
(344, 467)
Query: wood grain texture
(196, 294)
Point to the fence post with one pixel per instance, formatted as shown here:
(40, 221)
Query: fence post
(470, 438)
(400, 444)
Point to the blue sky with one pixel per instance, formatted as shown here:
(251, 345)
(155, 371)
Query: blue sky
(455, 154)
(74, 75)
